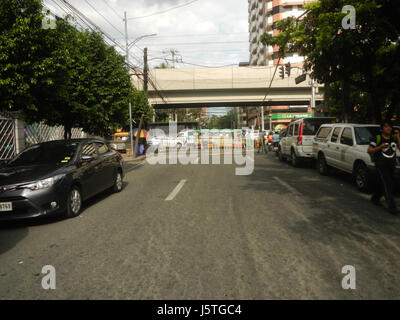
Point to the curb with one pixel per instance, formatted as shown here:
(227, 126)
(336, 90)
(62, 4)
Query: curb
(139, 159)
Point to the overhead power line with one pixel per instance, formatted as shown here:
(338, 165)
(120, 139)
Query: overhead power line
(116, 13)
(115, 28)
(164, 11)
(194, 43)
(94, 27)
(194, 64)
(200, 35)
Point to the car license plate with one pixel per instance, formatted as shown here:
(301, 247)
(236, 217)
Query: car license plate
(5, 206)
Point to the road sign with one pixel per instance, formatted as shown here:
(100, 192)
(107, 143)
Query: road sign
(301, 78)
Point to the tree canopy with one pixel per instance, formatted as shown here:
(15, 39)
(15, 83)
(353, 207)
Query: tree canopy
(360, 65)
(63, 76)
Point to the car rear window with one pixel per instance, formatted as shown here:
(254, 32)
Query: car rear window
(324, 132)
(311, 126)
(364, 134)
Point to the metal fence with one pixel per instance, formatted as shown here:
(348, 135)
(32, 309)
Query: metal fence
(39, 132)
(15, 135)
(7, 135)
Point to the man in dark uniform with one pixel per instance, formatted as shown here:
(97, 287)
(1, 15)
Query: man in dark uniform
(383, 151)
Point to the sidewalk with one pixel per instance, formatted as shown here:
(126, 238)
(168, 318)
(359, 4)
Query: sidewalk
(130, 159)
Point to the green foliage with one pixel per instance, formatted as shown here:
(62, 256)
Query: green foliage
(162, 66)
(63, 76)
(361, 65)
(221, 122)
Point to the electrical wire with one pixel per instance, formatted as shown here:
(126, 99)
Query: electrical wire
(115, 28)
(91, 25)
(201, 35)
(113, 10)
(193, 43)
(164, 11)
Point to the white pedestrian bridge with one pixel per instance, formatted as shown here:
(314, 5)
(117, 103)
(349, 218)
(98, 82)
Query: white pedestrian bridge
(227, 86)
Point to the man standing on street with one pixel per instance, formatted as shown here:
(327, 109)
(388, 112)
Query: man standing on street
(383, 152)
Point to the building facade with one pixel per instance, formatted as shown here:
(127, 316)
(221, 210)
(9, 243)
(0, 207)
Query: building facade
(263, 15)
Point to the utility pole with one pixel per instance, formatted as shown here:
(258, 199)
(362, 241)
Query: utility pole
(173, 58)
(313, 97)
(138, 135)
(173, 53)
(129, 68)
(145, 71)
(262, 118)
(270, 117)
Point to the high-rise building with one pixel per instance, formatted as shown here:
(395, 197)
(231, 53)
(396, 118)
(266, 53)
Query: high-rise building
(263, 14)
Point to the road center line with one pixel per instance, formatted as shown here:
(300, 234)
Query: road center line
(176, 190)
(287, 186)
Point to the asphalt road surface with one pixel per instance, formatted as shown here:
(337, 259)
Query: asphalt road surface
(201, 232)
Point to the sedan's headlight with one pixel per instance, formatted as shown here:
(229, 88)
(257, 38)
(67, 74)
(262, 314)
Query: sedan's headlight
(42, 184)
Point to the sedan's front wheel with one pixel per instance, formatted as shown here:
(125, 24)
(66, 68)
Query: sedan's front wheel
(74, 202)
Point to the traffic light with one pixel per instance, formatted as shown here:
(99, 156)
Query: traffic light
(288, 68)
(282, 72)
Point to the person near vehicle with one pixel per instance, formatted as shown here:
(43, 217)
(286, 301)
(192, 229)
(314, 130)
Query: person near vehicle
(270, 140)
(261, 142)
(275, 137)
(382, 149)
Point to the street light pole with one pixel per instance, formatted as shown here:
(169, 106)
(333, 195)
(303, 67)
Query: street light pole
(313, 97)
(127, 47)
(129, 68)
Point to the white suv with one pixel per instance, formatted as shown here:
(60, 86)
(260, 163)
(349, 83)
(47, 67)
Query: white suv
(344, 146)
(297, 140)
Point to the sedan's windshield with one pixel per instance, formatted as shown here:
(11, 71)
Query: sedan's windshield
(57, 154)
(364, 134)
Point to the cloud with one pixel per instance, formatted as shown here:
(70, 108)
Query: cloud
(206, 32)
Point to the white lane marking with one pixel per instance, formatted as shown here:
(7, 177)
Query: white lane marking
(176, 190)
(287, 186)
(250, 159)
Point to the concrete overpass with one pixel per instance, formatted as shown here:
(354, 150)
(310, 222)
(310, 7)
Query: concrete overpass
(228, 86)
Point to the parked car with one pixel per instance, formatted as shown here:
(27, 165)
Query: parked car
(157, 139)
(56, 177)
(296, 141)
(344, 146)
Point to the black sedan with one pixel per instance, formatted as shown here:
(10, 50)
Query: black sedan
(55, 177)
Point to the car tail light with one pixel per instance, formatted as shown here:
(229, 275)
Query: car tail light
(300, 137)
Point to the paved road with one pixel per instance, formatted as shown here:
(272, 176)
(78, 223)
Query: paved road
(281, 233)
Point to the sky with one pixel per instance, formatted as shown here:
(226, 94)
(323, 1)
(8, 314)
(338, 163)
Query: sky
(191, 29)
(203, 33)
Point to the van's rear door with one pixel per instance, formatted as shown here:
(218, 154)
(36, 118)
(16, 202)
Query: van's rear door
(310, 129)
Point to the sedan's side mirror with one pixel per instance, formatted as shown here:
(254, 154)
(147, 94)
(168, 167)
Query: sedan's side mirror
(87, 158)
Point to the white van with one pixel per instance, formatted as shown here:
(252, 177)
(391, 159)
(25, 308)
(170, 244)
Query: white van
(297, 140)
